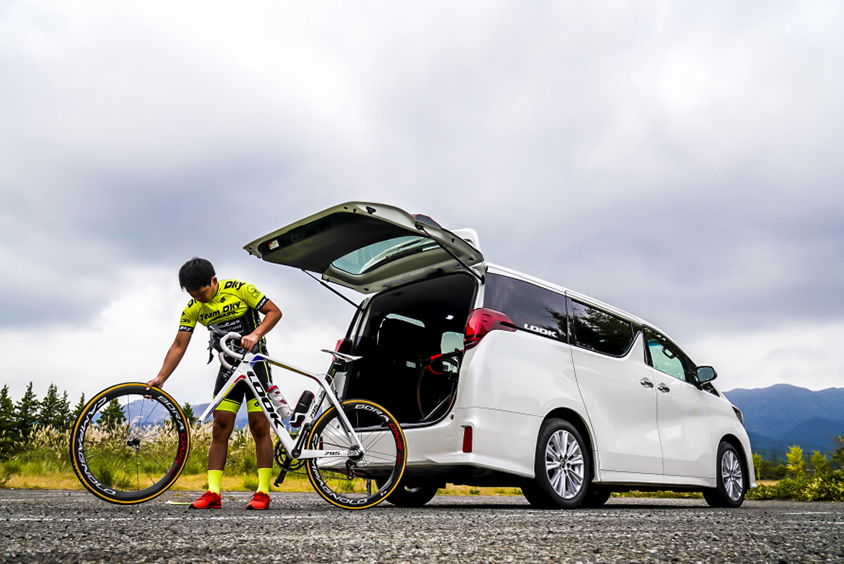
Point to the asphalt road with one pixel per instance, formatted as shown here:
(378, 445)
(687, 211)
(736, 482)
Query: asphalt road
(51, 527)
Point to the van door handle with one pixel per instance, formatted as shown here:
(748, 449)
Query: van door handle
(663, 388)
(646, 383)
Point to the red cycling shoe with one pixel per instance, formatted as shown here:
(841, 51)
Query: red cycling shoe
(209, 500)
(259, 501)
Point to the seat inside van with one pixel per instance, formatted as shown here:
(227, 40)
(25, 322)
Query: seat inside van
(403, 329)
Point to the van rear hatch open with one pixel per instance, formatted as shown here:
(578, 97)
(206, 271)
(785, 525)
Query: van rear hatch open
(367, 247)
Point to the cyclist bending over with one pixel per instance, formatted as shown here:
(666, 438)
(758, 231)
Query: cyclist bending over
(233, 306)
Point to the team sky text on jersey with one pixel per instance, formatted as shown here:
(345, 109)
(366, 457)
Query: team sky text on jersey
(234, 307)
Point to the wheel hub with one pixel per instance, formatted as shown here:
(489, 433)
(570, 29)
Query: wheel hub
(564, 464)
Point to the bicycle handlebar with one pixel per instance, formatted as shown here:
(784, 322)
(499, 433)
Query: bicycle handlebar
(227, 350)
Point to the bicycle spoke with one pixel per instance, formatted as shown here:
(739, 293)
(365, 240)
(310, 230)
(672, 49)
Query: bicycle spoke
(137, 460)
(347, 480)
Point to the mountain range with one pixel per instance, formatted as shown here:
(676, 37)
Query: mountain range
(775, 417)
(783, 415)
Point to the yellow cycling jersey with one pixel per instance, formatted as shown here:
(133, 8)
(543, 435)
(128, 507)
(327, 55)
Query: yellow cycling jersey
(233, 309)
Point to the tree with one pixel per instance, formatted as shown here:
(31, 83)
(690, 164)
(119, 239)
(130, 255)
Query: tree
(54, 410)
(757, 465)
(796, 465)
(188, 409)
(77, 411)
(64, 411)
(112, 416)
(7, 423)
(838, 453)
(26, 414)
(821, 465)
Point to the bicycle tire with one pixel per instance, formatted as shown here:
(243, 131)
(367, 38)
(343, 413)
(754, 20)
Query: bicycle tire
(350, 481)
(138, 458)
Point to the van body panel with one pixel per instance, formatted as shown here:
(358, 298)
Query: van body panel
(502, 441)
(684, 427)
(523, 373)
(633, 479)
(724, 423)
(622, 411)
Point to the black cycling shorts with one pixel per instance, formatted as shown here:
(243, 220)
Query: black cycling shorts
(241, 389)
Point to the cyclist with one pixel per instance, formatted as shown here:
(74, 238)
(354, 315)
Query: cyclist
(232, 306)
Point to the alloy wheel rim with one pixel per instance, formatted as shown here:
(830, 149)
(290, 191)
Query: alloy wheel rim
(731, 475)
(564, 464)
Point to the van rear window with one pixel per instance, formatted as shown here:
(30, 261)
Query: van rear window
(530, 307)
(600, 331)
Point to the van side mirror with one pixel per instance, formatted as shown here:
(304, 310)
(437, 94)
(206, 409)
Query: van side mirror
(705, 374)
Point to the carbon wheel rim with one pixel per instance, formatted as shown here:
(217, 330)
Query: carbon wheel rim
(350, 481)
(731, 475)
(128, 449)
(564, 464)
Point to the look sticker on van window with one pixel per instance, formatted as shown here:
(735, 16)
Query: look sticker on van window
(274, 244)
(541, 330)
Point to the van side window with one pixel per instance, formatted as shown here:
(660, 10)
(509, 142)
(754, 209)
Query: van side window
(667, 357)
(600, 331)
(530, 307)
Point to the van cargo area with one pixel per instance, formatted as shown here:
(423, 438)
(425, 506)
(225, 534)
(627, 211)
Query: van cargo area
(401, 330)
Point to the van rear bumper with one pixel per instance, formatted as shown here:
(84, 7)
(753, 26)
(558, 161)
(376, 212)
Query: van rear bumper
(502, 441)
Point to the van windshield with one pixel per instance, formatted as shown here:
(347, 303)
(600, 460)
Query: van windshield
(372, 256)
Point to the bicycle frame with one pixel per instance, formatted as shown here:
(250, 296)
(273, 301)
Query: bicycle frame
(247, 375)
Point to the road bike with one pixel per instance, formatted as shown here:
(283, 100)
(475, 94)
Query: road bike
(130, 443)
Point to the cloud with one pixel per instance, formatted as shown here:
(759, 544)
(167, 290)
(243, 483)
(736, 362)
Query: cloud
(677, 161)
(129, 336)
(804, 355)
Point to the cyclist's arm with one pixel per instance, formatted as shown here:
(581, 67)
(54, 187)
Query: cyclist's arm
(271, 316)
(172, 359)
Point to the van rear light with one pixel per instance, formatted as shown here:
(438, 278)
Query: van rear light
(467, 439)
(482, 321)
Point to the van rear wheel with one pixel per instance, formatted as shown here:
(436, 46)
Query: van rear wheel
(411, 496)
(596, 496)
(562, 467)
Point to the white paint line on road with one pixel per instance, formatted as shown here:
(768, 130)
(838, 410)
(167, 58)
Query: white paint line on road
(262, 517)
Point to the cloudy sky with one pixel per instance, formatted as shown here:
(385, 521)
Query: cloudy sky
(677, 160)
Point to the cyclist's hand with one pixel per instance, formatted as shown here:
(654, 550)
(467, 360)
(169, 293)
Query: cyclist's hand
(157, 382)
(249, 341)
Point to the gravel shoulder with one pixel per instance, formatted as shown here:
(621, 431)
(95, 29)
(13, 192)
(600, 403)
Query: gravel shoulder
(60, 526)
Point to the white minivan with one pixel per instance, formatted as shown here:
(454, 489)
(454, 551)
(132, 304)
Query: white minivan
(502, 379)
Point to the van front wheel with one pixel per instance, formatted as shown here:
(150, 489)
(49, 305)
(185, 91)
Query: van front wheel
(731, 480)
(562, 467)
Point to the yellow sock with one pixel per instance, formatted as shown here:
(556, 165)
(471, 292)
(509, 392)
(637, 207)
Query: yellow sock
(264, 479)
(215, 480)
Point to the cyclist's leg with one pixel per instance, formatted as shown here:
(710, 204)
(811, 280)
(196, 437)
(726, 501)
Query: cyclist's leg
(260, 428)
(220, 433)
(224, 419)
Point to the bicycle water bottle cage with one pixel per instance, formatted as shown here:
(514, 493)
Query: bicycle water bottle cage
(300, 442)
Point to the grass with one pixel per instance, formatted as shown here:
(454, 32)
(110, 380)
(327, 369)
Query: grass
(293, 483)
(45, 464)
